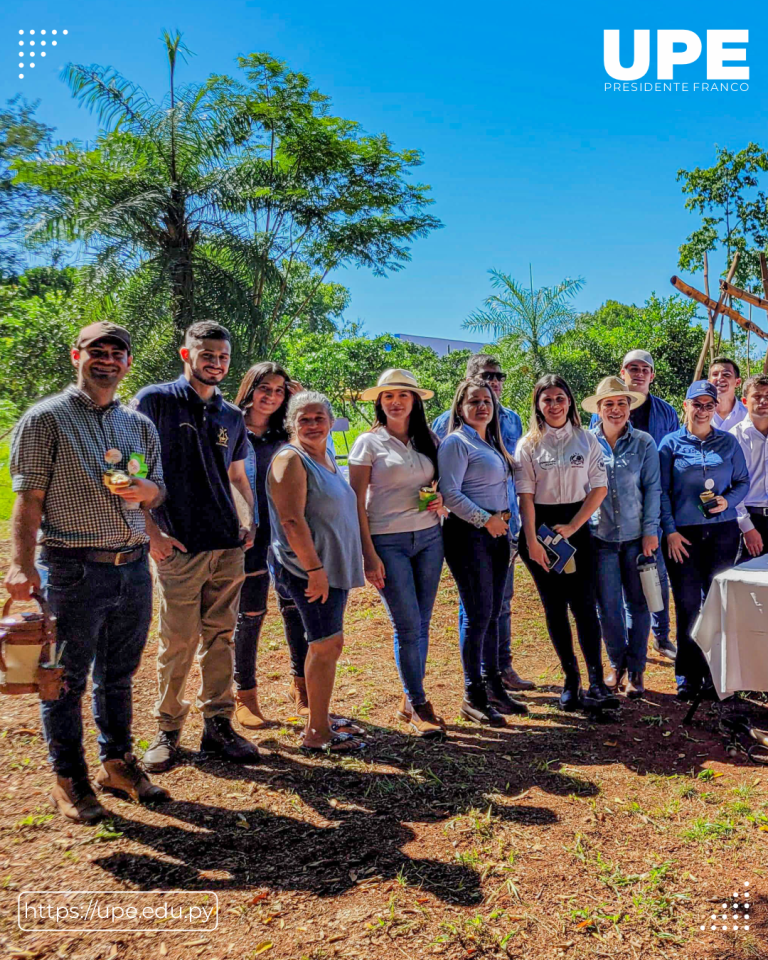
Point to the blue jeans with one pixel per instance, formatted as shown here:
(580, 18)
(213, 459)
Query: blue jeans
(660, 620)
(103, 614)
(625, 625)
(413, 563)
(505, 621)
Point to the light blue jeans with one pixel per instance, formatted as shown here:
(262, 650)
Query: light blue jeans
(625, 624)
(413, 563)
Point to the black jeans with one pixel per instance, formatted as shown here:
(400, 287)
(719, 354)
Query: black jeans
(560, 592)
(250, 619)
(103, 614)
(479, 564)
(713, 548)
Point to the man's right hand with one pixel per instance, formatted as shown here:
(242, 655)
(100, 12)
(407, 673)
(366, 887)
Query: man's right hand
(161, 546)
(21, 583)
(754, 542)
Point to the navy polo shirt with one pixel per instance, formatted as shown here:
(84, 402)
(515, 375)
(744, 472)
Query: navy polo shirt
(198, 441)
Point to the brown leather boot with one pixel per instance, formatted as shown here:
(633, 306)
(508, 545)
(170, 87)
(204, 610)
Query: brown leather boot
(513, 681)
(424, 722)
(635, 689)
(404, 710)
(75, 800)
(126, 778)
(615, 679)
(297, 694)
(247, 711)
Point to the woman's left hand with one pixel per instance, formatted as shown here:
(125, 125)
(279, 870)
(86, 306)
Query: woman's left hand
(565, 530)
(722, 504)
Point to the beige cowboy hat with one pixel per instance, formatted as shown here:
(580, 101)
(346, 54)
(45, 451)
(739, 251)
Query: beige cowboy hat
(396, 380)
(612, 387)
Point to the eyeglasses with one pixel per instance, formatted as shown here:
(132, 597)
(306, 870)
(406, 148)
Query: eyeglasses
(704, 407)
(494, 375)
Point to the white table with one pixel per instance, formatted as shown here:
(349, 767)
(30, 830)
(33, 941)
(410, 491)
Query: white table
(732, 629)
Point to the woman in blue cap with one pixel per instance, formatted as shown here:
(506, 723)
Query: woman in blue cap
(704, 477)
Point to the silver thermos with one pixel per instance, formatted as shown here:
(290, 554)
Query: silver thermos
(649, 578)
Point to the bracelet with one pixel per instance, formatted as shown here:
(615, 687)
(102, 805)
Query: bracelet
(314, 569)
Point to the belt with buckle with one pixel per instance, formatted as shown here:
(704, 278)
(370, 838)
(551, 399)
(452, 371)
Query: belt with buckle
(116, 558)
(760, 511)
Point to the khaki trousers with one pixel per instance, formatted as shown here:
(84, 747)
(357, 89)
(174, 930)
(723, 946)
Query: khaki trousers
(199, 599)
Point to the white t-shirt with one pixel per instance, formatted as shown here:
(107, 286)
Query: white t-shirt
(562, 468)
(397, 473)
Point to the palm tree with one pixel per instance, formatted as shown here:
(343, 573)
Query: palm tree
(533, 317)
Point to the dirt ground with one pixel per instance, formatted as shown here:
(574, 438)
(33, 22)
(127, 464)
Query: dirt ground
(554, 837)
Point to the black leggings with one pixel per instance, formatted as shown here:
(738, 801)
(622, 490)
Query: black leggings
(561, 591)
(250, 619)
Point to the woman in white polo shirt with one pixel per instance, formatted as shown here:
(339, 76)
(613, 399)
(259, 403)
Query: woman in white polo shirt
(561, 480)
(402, 544)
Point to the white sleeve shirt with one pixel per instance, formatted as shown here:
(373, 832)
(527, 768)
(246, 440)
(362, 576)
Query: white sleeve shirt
(563, 467)
(755, 447)
(737, 415)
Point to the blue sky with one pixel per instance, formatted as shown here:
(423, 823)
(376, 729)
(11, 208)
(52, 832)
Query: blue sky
(529, 159)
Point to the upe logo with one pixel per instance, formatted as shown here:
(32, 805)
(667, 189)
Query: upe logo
(689, 47)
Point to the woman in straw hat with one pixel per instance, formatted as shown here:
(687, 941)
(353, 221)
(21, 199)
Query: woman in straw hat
(625, 528)
(393, 471)
(561, 481)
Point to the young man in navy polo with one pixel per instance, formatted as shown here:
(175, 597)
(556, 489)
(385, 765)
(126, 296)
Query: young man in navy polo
(197, 543)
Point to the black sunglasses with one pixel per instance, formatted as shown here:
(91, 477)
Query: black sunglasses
(494, 375)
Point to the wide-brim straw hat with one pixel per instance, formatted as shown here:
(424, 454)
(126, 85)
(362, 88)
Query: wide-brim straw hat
(612, 387)
(396, 380)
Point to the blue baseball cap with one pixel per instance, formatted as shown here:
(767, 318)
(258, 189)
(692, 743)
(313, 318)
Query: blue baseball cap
(701, 388)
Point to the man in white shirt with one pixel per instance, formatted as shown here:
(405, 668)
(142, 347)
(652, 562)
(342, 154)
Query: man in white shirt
(724, 375)
(752, 434)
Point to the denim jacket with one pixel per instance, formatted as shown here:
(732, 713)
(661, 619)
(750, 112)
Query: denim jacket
(631, 507)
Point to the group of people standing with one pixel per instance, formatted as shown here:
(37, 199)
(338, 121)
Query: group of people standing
(230, 500)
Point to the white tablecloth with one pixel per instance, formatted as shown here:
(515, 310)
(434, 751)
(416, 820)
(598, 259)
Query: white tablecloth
(732, 629)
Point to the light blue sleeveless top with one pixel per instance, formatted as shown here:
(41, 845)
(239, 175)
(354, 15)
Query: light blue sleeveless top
(331, 513)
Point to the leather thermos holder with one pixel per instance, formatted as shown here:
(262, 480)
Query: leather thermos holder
(29, 674)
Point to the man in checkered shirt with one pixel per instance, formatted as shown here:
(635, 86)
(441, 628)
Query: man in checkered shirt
(94, 561)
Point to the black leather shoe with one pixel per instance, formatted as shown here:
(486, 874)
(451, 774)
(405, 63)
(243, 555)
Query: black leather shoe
(476, 707)
(221, 741)
(499, 698)
(570, 698)
(599, 697)
(163, 753)
(686, 691)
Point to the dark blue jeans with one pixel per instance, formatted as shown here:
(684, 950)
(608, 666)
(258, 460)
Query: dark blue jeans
(103, 614)
(625, 624)
(412, 563)
(660, 620)
(505, 620)
(479, 564)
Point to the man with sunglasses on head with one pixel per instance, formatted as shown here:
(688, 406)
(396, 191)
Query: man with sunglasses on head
(489, 369)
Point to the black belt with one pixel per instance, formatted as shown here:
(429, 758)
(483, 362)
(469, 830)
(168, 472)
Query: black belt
(115, 557)
(758, 511)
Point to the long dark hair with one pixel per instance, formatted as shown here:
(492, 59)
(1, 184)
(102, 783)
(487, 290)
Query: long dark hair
(248, 385)
(422, 438)
(493, 430)
(551, 381)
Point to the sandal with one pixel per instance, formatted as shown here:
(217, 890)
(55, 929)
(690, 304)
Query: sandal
(341, 743)
(345, 725)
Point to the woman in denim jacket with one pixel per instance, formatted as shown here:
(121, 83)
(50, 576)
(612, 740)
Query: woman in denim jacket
(624, 527)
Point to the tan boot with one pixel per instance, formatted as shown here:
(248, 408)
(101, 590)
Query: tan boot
(297, 694)
(404, 710)
(635, 689)
(247, 711)
(425, 723)
(75, 800)
(127, 778)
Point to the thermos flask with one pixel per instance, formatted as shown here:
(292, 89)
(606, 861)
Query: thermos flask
(649, 578)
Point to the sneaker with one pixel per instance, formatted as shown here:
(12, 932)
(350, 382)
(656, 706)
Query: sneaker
(73, 798)
(476, 707)
(599, 697)
(513, 681)
(127, 778)
(424, 722)
(221, 741)
(163, 752)
(501, 700)
(665, 648)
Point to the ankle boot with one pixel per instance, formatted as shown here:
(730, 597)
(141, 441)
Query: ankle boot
(404, 711)
(297, 694)
(635, 686)
(598, 696)
(476, 707)
(499, 697)
(74, 799)
(570, 698)
(247, 711)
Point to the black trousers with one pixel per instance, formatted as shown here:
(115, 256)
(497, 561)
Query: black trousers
(561, 592)
(761, 525)
(713, 549)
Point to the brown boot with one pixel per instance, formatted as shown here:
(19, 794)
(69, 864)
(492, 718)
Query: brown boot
(615, 679)
(424, 722)
(513, 681)
(247, 711)
(297, 694)
(126, 778)
(635, 689)
(75, 800)
(404, 710)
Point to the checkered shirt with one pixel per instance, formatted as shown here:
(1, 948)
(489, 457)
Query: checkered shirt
(59, 446)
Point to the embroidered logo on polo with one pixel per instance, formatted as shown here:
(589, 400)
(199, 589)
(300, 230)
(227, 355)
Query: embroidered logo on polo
(223, 439)
(577, 460)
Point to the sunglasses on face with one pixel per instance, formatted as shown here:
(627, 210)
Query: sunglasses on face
(494, 375)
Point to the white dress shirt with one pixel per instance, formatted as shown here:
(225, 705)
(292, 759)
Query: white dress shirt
(736, 415)
(755, 447)
(562, 468)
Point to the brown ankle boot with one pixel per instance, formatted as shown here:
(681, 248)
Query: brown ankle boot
(404, 710)
(635, 689)
(297, 694)
(424, 722)
(127, 778)
(247, 711)
(75, 800)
